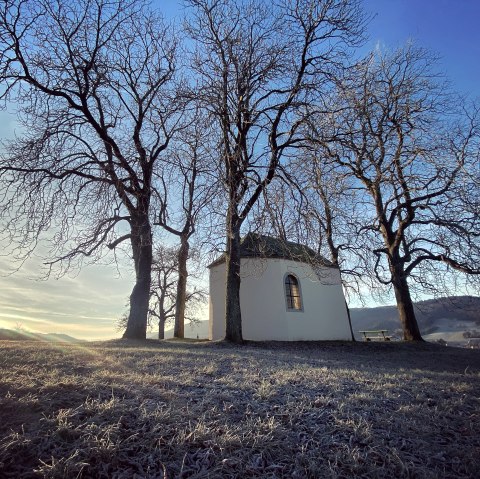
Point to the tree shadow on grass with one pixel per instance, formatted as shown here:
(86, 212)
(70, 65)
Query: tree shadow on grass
(259, 410)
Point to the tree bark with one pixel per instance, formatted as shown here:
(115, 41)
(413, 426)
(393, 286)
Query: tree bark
(161, 327)
(233, 314)
(179, 330)
(411, 332)
(139, 299)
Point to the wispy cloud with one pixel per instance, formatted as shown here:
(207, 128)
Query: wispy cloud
(86, 306)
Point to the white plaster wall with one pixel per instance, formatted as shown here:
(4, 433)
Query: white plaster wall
(324, 315)
(216, 302)
(262, 300)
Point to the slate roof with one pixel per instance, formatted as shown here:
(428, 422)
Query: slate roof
(254, 245)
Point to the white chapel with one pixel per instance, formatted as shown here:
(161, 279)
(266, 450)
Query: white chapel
(287, 293)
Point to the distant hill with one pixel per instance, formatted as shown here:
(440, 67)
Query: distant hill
(434, 316)
(20, 335)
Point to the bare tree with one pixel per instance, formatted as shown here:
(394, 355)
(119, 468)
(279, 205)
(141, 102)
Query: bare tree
(189, 187)
(415, 155)
(163, 290)
(164, 295)
(258, 65)
(93, 82)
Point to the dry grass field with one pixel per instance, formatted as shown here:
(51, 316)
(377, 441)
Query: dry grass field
(124, 409)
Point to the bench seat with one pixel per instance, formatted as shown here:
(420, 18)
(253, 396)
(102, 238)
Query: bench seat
(378, 335)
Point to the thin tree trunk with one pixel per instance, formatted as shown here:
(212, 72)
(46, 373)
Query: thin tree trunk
(179, 330)
(411, 332)
(334, 252)
(233, 314)
(139, 299)
(349, 321)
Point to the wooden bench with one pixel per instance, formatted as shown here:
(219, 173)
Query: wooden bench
(379, 334)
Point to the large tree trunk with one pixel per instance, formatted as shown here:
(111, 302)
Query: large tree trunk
(233, 314)
(139, 299)
(179, 330)
(411, 332)
(161, 327)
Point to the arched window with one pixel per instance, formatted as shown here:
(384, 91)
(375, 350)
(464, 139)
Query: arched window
(292, 293)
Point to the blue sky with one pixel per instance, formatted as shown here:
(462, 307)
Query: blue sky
(449, 28)
(87, 306)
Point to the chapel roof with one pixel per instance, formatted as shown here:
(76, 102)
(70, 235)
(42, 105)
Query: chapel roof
(255, 245)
